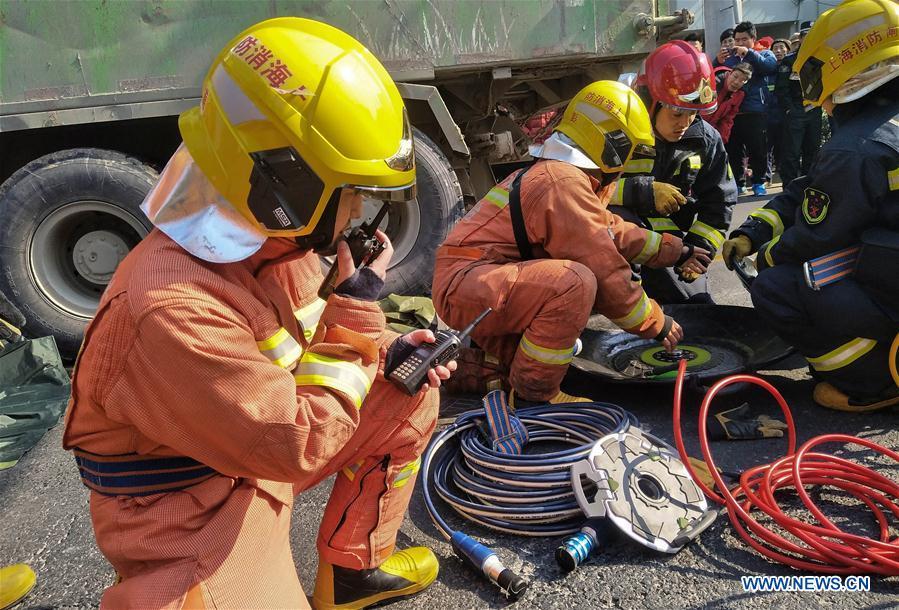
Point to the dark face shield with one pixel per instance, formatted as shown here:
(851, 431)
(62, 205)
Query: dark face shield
(284, 191)
(811, 79)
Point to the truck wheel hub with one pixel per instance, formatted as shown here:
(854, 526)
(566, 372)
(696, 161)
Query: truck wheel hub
(97, 254)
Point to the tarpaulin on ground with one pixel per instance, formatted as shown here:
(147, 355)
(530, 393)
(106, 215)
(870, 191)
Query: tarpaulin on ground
(34, 389)
(405, 314)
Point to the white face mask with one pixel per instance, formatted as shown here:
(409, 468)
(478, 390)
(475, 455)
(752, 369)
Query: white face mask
(186, 207)
(864, 82)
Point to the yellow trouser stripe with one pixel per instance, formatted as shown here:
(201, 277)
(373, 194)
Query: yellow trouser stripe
(708, 232)
(662, 224)
(650, 248)
(545, 355)
(772, 218)
(639, 166)
(844, 355)
(498, 196)
(618, 195)
(281, 349)
(345, 377)
(406, 473)
(893, 177)
(637, 315)
(309, 316)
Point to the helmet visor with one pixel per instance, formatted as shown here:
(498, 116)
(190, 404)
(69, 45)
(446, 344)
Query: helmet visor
(617, 149)
(399, 194)
(284, 190)
(811, 79)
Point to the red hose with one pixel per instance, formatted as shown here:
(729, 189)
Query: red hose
(822, 546)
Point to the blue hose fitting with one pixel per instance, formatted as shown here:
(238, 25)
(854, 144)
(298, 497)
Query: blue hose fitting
(484, 560)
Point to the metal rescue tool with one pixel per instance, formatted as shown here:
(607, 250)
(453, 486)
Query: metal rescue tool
(364, 247)
(635, 483)
(412, 372)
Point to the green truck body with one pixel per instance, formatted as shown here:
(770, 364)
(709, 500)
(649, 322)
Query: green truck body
(92, 86)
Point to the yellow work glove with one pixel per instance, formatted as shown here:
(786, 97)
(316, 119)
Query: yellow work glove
(734, 249)
(668, 199)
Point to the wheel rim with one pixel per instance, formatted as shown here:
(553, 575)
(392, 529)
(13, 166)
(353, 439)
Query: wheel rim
(75, 250)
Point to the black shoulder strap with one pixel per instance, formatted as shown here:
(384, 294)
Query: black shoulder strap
(521, 233)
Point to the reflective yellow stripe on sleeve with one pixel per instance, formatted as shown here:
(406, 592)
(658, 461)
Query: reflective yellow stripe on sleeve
(545, 355)
(637, 315)
(406, 473)
(695, 162)
(344, 377)
(772, 218)
(662, 224)
(639, 166)
(308, 317)
(844, 355)
(708, 232)
(893, 178)
(281, 349)
(618, 195)
(498, 196)
(650, 248)
(768, 258)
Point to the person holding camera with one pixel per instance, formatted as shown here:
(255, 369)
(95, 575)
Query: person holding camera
(749, 134)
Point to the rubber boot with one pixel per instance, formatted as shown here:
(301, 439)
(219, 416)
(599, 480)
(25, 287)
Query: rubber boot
(830, 397)
(15, 583)
(404, 573)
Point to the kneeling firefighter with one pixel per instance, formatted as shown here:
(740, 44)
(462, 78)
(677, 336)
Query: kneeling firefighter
(543, 250)
(214, 384)
(687, 188)
(843, 318)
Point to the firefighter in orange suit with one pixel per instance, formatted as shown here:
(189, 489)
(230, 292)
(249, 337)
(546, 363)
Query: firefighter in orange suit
(543, 250)
(214, 384)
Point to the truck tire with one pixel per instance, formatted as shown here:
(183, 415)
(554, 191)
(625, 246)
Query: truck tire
(68, 219)
(417, 228)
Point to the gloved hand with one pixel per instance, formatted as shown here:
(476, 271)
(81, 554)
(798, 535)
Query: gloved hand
(404, 345)
(366, 283)
(694, 261)
(734, 249)
(671, 334)
(740, 424)
(11, 320)
(668, 198)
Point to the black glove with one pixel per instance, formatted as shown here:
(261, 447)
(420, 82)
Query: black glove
(398, 351)
(364, 285)
(740, 424)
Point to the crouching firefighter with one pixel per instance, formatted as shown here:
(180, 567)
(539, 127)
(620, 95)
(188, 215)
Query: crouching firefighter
(687, 188)
(214, 384)
(828, 247)
(542, 249)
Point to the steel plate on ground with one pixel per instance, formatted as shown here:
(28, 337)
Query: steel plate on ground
(719, 340)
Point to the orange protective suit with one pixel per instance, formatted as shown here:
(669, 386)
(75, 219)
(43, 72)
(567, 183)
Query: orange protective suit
(582, 254)
(242, 368)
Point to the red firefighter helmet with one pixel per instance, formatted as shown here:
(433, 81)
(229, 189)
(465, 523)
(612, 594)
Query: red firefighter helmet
(679, 76)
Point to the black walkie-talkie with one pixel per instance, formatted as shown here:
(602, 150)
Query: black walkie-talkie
(364, 247)
(412, 372)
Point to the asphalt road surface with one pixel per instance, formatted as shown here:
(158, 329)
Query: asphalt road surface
(44, 521)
